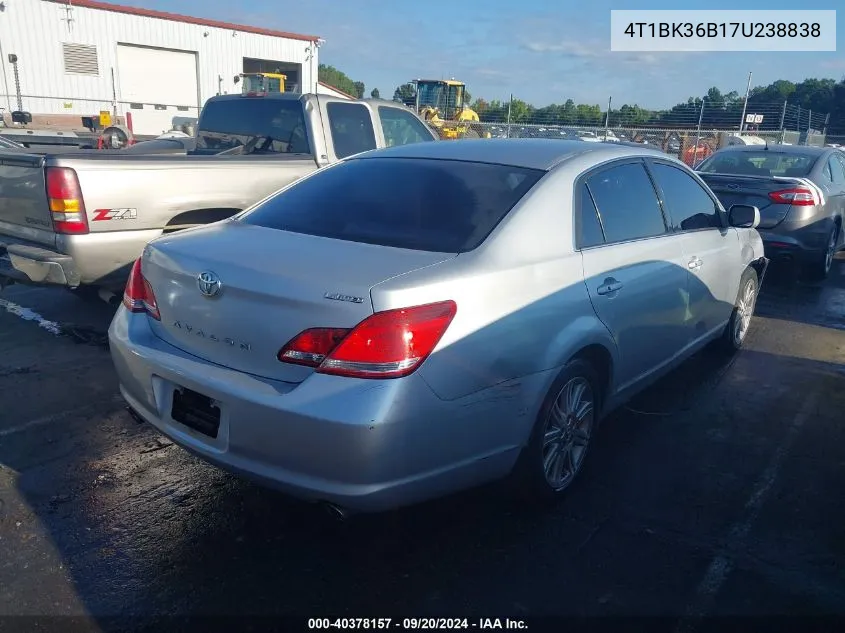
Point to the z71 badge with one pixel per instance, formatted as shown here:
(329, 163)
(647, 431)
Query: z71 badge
(115, 214)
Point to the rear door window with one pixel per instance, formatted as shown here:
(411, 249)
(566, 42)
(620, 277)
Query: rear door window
(627, 203)
(351, 127)
(836, 172)
(686, 201)
(762, 162)
(587, 226)
(400, 127)
(429, 205)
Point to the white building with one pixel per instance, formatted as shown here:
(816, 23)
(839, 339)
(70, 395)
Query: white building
(80, 57)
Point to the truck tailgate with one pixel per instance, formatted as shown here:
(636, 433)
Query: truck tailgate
(24, 211)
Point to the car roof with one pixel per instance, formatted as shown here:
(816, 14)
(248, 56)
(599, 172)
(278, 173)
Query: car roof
(533, 153)
(810, 150)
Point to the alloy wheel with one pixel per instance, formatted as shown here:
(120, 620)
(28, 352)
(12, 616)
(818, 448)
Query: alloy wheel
(745, 310)
(567, 432)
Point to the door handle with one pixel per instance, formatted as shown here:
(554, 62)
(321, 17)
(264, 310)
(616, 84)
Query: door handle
(609, 287)
(695, 263)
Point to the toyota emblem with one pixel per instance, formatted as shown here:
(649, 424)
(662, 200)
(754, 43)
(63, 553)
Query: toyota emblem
(209, 283)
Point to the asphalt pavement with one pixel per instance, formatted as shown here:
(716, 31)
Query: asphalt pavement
(716, 493)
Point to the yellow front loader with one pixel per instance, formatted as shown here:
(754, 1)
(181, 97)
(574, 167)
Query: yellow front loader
(254, 84)
(442, 103)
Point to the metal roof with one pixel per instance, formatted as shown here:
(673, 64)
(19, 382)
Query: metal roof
(175, 17)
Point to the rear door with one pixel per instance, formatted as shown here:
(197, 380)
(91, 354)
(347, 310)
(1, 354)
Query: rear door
(401, 127)
(712, 249)
(24, 210)
(349, 128)
(637, 276)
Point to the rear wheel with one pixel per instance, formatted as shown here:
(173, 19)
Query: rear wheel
(562, 433)
(740, 322)
(820, 266)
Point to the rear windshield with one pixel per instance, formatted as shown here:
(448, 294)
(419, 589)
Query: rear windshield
(759, 163)
(421, 204)
(256, 125)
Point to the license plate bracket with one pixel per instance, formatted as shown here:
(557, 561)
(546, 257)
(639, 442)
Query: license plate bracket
(196, 411)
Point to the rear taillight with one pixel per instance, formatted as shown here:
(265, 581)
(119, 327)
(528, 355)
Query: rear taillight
(64, 197)
(388, 344)
(799, 196)
(139, 296)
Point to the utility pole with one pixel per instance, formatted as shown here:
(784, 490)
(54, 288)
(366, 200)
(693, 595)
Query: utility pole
(745, 104)
(698, 134)
(607, 118)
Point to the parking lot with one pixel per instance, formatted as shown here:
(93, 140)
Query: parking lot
(717, 492)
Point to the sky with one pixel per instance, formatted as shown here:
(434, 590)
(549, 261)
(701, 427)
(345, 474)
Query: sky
(541, 51)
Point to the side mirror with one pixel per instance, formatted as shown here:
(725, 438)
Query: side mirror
(744, 216)
(237, 79)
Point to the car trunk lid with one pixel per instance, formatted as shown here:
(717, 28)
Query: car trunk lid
(755, 190)
(273, 285)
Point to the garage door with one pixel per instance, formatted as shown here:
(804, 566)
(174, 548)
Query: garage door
(157, 86)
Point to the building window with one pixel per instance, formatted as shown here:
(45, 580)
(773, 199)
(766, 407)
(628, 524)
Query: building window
(80, 59)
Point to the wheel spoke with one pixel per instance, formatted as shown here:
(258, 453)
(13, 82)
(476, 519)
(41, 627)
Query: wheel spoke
(570, 460)
(548, 461)
(557, 469)
(581, 437)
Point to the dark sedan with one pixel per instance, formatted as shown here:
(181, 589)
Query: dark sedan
(799, 190)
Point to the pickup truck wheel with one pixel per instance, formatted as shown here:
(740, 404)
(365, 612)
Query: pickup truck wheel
(821, 264)
(561, 435)
(736, 331)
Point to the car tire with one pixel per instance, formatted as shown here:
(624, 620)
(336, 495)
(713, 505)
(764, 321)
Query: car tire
(822, 263)
(736, 331)
(546, 469)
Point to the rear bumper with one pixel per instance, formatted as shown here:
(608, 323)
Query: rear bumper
(364, 445)
(26, 263)
(790, 240)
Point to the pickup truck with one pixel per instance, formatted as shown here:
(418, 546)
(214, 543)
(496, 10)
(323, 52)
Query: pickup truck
(79, 220)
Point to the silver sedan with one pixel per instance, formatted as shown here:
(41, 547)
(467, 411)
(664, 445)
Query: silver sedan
(419, 320)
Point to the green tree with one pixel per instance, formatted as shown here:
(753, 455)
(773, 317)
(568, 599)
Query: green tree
(406, 93)
(340, 80)
(375, 94)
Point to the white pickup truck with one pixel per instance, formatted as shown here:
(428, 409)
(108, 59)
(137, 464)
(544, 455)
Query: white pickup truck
(79, 220)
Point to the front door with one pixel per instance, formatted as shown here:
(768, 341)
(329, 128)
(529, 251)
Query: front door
(712, 251)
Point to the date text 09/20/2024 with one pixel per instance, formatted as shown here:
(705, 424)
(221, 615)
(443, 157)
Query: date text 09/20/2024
(425, 624)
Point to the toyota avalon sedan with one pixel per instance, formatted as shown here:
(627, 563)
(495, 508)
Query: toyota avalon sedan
(422, 319)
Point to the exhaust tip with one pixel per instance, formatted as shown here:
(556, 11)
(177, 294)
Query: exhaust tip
(109, 297)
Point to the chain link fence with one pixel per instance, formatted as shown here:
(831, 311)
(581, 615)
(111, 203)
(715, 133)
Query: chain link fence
(701, 113)
(689, 145)
(690, 132)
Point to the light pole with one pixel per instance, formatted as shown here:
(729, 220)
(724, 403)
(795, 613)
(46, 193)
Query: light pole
(312, 53)
(745, 104)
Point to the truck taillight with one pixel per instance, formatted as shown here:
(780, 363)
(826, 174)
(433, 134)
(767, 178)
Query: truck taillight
(139, 296)
(388, 344)
(64, 197)
(799, 196)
